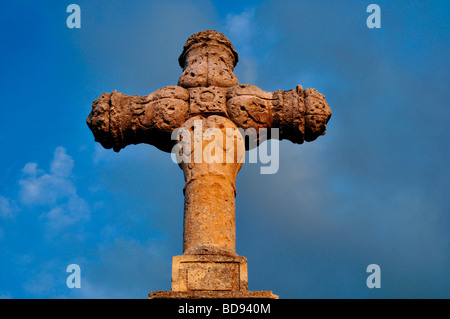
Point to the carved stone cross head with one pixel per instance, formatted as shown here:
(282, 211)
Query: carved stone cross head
(208, 92)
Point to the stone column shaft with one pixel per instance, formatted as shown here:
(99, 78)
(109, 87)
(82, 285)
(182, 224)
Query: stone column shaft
(209, 206)
(209, 216)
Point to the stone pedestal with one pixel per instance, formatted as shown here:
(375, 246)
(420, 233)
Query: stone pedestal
(209, 272)
(209, 276)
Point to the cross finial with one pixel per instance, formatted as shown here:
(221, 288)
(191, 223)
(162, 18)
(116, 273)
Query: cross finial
(208, 59)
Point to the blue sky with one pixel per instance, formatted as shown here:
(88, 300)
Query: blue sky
(374, 189)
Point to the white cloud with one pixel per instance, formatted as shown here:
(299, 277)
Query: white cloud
(240, 29)
(54, 191)
(75, 210)
(6, 210)
(62, 164)
(39, 188)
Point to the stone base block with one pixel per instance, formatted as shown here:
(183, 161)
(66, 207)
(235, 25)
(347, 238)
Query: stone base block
(212, 295)
(209, 273)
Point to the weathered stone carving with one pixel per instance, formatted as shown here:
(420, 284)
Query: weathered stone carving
(209, 93)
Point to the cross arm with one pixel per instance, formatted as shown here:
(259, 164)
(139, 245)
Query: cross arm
(118, 120)
(301, 115)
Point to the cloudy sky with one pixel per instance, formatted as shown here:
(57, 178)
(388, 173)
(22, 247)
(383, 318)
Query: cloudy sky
(373, 190)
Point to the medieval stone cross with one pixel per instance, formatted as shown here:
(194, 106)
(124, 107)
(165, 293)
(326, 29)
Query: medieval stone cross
(209, 93)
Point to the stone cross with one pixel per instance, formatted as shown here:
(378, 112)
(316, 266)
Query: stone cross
(208, 93)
